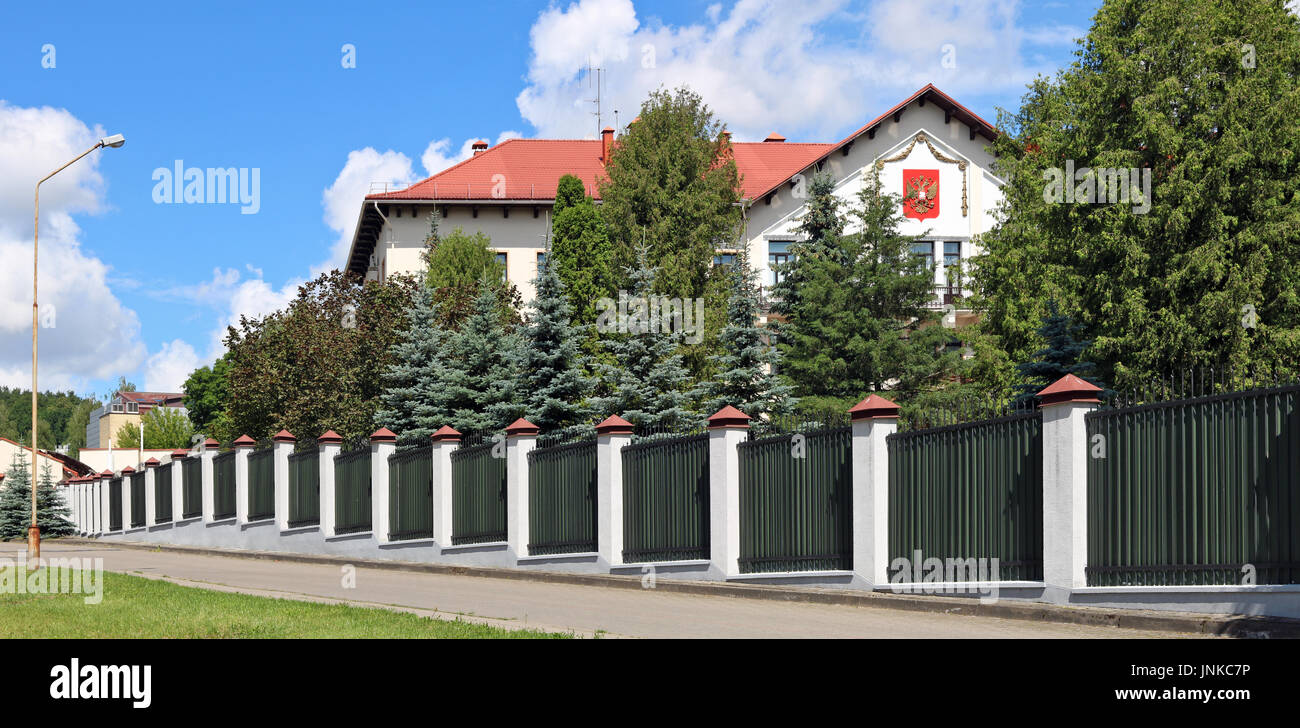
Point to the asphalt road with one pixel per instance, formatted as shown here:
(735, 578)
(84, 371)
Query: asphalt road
(584, 610)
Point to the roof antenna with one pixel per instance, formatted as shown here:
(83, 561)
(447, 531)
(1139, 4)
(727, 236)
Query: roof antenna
(598, 74)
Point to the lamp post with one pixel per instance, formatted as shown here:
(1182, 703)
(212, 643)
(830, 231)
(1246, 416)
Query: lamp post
(34, 531)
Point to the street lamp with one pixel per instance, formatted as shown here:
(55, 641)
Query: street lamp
(34, 531)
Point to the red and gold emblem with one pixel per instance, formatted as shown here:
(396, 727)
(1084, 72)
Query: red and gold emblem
(921, 193)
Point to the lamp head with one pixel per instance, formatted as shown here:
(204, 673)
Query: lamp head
(114, 141)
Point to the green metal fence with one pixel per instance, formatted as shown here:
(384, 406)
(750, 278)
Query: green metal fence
(261, 484)
(137, 500)
(666, 499)
(796, 502)
(162, 494)
(223, 486)
(352, 491)
(969, 491)
(562, 499)
(115, 504)
(478, 493)
(192, 487)
(410, 494)
(304, 488)
(1196, 491)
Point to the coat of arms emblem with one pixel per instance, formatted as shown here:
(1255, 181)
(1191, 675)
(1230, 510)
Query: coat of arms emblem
(921, 193)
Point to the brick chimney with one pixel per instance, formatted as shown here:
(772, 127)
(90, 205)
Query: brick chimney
(479, 147)
(606, 141)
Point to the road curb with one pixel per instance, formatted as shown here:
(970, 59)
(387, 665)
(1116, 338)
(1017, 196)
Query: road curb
(1182, 622)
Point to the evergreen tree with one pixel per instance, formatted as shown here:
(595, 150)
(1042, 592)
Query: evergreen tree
(745, 378)
(647, 379)
(1202, 264)
(456, 264)
(481, 382)
(1062, 355)
(583, 256)
(553, 383)
(413, 402)
(16, 504)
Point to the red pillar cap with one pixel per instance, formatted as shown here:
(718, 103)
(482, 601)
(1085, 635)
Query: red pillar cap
(128, 470)
(729, 417)
(106, 474)
(383, 434)
(522, 426)
(244, 441)
(614, 425)
(872, 407)
(152, 463)
(1069, 388)
(284, 436)
(211, 442)
(180, 454)
(446, 433)
(330, 438)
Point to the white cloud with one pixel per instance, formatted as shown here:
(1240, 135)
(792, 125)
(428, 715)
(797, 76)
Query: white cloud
(342, 199)
(769, 65)
(168, 368)
(436, 159)
(91, 334)
(229, 295)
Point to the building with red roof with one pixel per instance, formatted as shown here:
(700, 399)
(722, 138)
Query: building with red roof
(927, 142)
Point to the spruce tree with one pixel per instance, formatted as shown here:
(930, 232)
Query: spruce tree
(481, 382)
(16, 504)
(647, 379)
(1063, 354)
(412, 404)
(746, 378)
(583, 254)
(553, 382)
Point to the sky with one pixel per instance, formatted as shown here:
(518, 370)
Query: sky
(321, 100)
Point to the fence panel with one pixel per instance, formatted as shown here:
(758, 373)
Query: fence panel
(666, 499)
(304, 488)
(137, 500)
(261, 484)
(562, 499)
(223, 486)
(796, 502)
(115, 504)
(352, 491)
(410, 495)
(162, 494)
(192, 487)
(478, 492)
(969, 491)
(1196, 491)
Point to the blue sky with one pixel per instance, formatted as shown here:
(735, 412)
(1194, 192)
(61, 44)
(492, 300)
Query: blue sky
(144, 290)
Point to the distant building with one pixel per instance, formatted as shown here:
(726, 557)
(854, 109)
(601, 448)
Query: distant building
(61, 466)
(127, 408)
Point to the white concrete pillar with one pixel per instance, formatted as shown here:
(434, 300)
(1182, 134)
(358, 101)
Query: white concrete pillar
(445, 440)
(382, 444)
(1065, 483)
(127, 474)
(329, 445)
(521, 438)
(284, 444)
(243, 448)
(874, 419)
(728, 427)
(612, 436)
(207, 451)
(178, 482)
(150, 493)
(104, 499)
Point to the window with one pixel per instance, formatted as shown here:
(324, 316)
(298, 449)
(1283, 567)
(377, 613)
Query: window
(501, 261)
(541, 261)
(132, 407)
(727, 259)
(778, 255)
(924, 251)
(951, 253)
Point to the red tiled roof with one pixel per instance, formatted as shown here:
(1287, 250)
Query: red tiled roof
(530, 169)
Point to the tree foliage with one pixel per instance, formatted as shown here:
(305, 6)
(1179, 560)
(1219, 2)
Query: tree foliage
(164, 427)
(16, 503)
(553, 383)
(207, 397)
(457, 264)
(1210, 274)
(583, 255)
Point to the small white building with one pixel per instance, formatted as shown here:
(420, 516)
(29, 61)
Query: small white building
(928, 142)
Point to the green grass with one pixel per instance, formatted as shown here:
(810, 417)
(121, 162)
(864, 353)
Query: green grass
(133, 606)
